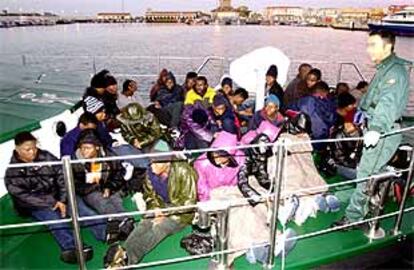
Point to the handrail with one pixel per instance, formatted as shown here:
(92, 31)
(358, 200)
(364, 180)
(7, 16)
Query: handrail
(200, 151)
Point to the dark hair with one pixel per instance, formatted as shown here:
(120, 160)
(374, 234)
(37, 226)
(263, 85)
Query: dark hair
(345, 99)
(191, 75)
(23, 137)
(342, 84)
(99, 79)
(110, 80)
(88, 118)
(202, 78)
(385, 35)
(362, 84)
(316, 72)
(304, 65)
(242, 93)
(321, 86)
(126, 84)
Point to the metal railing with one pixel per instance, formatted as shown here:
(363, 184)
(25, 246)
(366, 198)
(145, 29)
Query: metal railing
(279, 153)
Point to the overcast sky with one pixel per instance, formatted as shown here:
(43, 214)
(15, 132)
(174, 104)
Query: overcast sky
(138, 7)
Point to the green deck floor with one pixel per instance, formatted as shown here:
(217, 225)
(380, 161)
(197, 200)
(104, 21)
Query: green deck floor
(35, 248)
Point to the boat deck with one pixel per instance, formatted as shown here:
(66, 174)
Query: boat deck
(35, 248)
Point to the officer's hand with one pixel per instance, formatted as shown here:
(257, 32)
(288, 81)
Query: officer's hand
(371, 138)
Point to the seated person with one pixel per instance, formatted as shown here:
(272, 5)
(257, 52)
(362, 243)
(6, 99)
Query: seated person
(190, 82)
(342, 87)
(158, 85)
(224, 116)
(96, 107)
(169, 183)
(269, 113)
(226, 87)
(272, 86)
(99, 183)
(218, 179)
(312, 78)
(237, 100)
(344, 156)
(321, 111)
(169, 100)
(39, 192)
(202, 91)
(196, 128)
(129, 94)
(110, 97)
(68, 144)
(360, 91)
(256, 160)
(97, 86)
(139, 127)
(220, 168)
(293, 90)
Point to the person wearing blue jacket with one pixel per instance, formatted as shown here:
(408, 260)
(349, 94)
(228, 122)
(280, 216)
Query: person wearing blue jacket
(320, 109)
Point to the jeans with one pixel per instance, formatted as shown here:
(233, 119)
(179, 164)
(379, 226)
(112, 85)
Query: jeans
(110, 205)
(127, 149)
(346, 172)
(147, 235)
(63, 232)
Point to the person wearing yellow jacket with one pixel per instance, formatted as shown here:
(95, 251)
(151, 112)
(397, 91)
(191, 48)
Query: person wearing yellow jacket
(202, 91)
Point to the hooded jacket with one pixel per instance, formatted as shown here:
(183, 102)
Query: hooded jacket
(137, 123)
(322, 113)
(211, 176)
(112, 174)
(167, 96)
(157, 86)
(182, 190)
(34, 188)
(189, 126)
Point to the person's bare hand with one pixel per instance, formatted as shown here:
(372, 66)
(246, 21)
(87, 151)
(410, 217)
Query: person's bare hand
(61, 207)
(106, 193)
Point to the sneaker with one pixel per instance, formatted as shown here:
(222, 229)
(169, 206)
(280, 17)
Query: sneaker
(112, 231)
(69, 256)
(285, 243)
(115, 257)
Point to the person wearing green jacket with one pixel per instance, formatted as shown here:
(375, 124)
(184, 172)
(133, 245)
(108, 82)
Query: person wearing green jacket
(383, 107)
(169, 183)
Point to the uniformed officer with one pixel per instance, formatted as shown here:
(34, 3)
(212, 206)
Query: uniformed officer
(383, 106)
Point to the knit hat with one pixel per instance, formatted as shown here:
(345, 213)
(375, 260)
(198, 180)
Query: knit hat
(89, 136)
(272, 71)
(219, 100)
(161, 147)
(199, 116)
(227, 81)
(93, 105)
(345, 99)
(272, 99)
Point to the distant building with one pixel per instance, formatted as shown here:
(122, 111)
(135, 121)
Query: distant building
(173, 16)
(225, 12)
(354, 15)
(284, 14)
(114, 16)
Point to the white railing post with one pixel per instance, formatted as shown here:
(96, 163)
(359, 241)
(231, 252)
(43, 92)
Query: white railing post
(70, 188)
(277, 189)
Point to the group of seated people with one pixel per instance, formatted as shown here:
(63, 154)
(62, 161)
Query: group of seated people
(191, 116)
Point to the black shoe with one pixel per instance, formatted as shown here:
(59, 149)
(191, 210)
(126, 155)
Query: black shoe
(125, 228)
(112, 231)
(69, 256)
(344, 221)
(115, 257)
